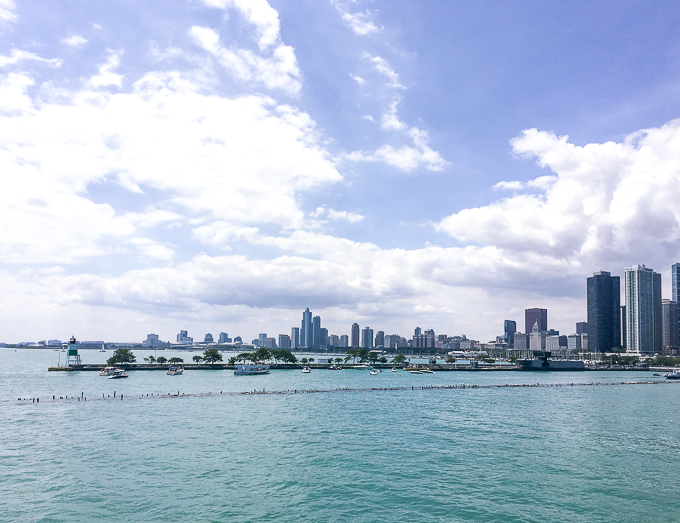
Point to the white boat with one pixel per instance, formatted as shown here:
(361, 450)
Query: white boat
(428, 371)
(363, 367)
(416, 372)
(107, 371)
(175, 371)
(394, 369)
(306, 370)
(118, 374)
(373, 373)
(247, 369)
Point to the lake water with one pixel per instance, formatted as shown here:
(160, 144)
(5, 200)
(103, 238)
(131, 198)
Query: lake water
(567, 453)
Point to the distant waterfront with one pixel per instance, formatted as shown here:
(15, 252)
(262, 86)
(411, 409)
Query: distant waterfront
(475, 454)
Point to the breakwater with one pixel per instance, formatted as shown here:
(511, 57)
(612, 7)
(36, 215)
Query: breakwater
(462, 386)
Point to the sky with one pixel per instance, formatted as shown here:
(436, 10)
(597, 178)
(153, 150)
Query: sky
(220, 165)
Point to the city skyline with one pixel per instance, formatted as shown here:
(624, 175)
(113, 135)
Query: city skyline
(228, 162)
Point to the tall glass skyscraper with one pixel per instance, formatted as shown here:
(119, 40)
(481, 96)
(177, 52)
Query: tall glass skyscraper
(531, 316)
(306, 333)
(644, 330)
(675, 282)
(354, 338)
(316, 333)
(604, 307)
(510, 328)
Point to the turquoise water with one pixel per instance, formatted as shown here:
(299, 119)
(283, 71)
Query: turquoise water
(582, 453)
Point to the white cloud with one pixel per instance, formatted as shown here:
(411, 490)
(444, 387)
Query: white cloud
(357, 79)
(278, 71)
(218, 164)
(19, 55)
(407, 158)
(384, 67)
(390, 119)
(106, 75)
(609, 203)
(259, 13)
(7, 10)
(361, 23)
(508, 186)
(350, 217)
(74, 40)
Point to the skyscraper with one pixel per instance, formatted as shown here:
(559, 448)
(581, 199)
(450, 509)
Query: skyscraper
(675, 287)
(367, 338)
(643, 310)
(604, 305)
(355, 335)
(380, 339)
(262, 339)
(295, 337)
(284, 341)
(582, 326)
(510, 328)
(669, 310)
(531, 316)
(316, 333)
(306, 335)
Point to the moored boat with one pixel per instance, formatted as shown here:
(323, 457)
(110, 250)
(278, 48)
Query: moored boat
(247, 369)
(107, 371)
(675, 375)
(306, 370)
(118, 374)
(175, 371)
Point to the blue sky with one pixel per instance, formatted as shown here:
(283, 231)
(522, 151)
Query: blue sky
(219, 165)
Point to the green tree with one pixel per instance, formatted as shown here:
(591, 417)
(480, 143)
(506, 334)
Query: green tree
(121, 356)
(338, 360)
(399, 358)
(372, 357)
(352, 353)
(286, 356)
(450, 359)
(152, 359)
(232, 361)
(262, 354)
(310, 360)
(383, 359)
(212, 355)
(512, 359)
(363, 355)
(197, 359)
(245, 356)
(161, 359)
(304, 361)
(175, 360)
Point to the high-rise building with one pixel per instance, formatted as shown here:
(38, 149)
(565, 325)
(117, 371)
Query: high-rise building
(537, 338)
(270, 343)
(333, 341)
(295, 337)
(323, 337)
(417, 332)
(284, 341)
(675, 287)
(355, 335)
(510, 328)
(531, 316)
(367, 338)
(208, 338)
(316, 333)
(344, 341)
(604, 306)
(644, 329)
(675, 282)
(262, 340)
(380, 339)
(306, 334)
(582, 326)
(183, 337)
(669, 320)
(622, 315)
(224, 338)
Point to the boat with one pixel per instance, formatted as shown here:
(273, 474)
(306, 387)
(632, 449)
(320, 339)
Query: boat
(306, 370)
(246, 369)
(362, 367)
(394, 369)
(175, 371)
(656, 374)
(675, 375)
(334, 367)
(373, 372)
(428, 371)
(102, 349)
(416, 372)
(107, 371)
(118, 374)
